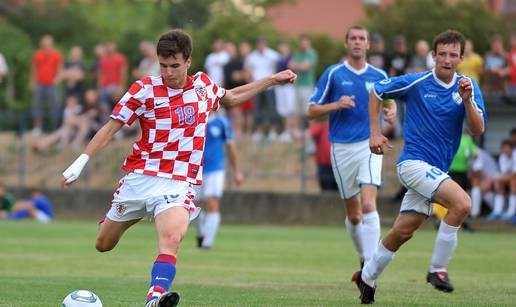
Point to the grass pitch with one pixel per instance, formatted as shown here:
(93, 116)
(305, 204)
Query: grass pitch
(249, 266)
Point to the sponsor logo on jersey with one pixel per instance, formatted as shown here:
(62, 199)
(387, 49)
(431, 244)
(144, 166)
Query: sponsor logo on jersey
(347, 83)
(456, 98)
(430, 96)
(369, 86)
(200, 90)
(385, 81)
(120, 209)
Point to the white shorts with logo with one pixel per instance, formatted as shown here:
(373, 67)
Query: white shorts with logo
(141, 196)
(212, 185)
(422, 181)
(354, 165)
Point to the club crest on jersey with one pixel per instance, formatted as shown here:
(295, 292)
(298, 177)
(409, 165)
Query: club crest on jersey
(201, 91)
(456, 98)
(120, 209)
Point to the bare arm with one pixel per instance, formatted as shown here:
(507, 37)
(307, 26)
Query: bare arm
(376, 139)
(318, 110)
(235, 163)
(245, 92)
(474, 118)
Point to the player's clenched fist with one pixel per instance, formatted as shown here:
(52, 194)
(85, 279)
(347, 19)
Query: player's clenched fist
(465, 88)
(345, 102)
(285, 76)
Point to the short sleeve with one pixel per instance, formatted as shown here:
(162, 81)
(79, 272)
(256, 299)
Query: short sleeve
(397, 87)
(323, 87)
(131, 105)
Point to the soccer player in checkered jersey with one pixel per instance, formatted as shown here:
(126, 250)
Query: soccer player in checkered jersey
(438, 102)
(343, 93)
(166, 162)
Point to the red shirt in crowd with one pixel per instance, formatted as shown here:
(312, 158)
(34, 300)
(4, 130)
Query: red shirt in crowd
(111, 69)
(319, 132)
(512, 65)
(46, 63)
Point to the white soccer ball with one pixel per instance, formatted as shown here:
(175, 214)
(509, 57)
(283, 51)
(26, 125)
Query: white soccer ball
(82, 298)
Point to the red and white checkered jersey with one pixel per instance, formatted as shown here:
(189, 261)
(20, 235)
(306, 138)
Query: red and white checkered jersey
(173, 124)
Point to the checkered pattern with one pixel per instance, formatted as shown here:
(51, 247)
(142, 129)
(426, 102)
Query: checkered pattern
(155, 291)
(173, 123)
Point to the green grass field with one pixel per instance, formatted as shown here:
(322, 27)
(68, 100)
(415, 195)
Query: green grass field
(250, 266)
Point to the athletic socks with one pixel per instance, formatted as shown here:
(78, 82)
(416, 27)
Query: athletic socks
(354, 232)
(445, 244)
(200, 223)
(211, 226)
(476, 201)
(498, 204)
(162, 276)
(370, 234)
(512, 206)
(373, 268)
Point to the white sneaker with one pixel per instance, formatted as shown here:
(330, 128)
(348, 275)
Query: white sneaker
(153, 303)
(285, 137)
(272, 136)
(256, 137)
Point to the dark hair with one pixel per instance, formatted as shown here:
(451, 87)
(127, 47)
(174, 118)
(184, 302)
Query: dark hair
(174, 42)
(506, 143)
(357, 27)
(513, 131)
(450, 37)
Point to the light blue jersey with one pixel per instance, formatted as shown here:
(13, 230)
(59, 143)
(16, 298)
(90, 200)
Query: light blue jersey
(347, 125)
(434, 116)
(219, 131)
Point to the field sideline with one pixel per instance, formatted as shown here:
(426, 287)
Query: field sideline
(250, 266)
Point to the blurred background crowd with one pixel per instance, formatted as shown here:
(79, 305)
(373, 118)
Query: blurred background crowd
(64, 64)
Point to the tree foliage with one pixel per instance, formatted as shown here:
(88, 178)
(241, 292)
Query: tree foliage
(423, 19)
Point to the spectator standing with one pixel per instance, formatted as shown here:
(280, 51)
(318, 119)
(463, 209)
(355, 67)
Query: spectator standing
(261, 63)
(215, 61)
(247, 108)
(149, 64)
(495, 68)
(285, 96)
(473, 63)
(73, 73)
(319, 132)
(418, 62)
(234, 76)
(304, 63)
(112, 77)
(47, 65)
(378, 56)
(400, 58)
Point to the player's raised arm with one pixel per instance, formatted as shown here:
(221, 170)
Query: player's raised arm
(245, 92)
(474, 115)
(99, 141)
(377, 140)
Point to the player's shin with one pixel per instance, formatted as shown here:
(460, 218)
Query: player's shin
(162, 276)
(372, 270)
(370, 234)
(445, 244)
(354, 232)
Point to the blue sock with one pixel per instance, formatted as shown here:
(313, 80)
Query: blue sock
(18, 215)
(162, 276)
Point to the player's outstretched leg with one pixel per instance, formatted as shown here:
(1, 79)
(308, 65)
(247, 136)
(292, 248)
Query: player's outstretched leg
(366, 291)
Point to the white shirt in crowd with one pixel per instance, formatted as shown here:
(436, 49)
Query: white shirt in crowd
(262, 64)
(505, 163)
(214, 65)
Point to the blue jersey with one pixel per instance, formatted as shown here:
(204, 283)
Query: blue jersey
(434, 116)
(347, 125)
(219, 131)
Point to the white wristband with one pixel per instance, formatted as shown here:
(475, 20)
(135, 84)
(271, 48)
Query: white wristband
(74, 170)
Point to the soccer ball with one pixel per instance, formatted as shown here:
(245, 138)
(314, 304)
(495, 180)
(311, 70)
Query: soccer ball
(82, 298)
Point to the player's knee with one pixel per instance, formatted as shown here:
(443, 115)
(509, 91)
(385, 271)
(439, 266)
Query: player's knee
(354, 219)
(103, 245)
(462, 206)
(368, 206)
(171, 241)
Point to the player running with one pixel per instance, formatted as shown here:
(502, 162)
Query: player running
(438, 100)
(167, 161)
(343, 93)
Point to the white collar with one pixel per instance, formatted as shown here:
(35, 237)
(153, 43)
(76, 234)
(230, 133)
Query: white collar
(444, 84)
(355, 71)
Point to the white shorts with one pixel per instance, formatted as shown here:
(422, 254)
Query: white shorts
(303, 95)
(422, 181)
(141, 196)
(212, 185)
(286, 100)
(354, 165)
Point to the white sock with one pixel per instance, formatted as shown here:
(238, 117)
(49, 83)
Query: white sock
(498, 204)
(354, 232)
(476, 201)
(370, 234)
(381, 258)
(201, 221)
(512, 205)
(489, 199)
(210, 229)
(445, 244)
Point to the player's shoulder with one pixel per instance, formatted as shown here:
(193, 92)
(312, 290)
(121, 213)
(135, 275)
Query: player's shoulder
(202, 78)
(334, 68)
